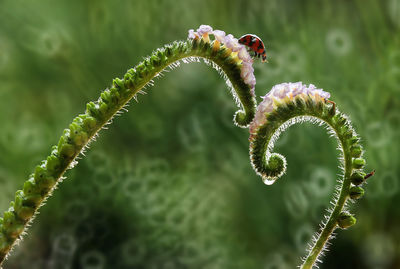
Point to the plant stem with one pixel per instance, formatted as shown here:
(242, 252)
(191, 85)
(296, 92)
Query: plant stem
(331, 225)
(270, 166)
(85, 127)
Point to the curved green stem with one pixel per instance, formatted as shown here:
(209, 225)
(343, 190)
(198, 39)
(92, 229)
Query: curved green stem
(332, 222)
(272, 165)
(75, 139)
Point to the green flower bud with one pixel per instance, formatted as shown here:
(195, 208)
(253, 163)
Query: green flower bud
(319, 107)
(105, 97)
(310, 104)
(160, 53)
(46, 183)
(141, 70)
(332, 111)
(356, 192)
(8, 218)
(80, 138)
(340, 120)
(118, 83)
(92, 109)
(30, 187)
(356, 151)
(115, 96)
(300, 103)
(77, 135)
(67, 150)
(53, 164)
(32, 200)
(12, 226)
(169, 49)
(358, 163)
(32, 193)
(23, 212)
(89, 123)
(354, 140)
(155, 61)
(347, 132)
(346, 220)
(4, 242)
(40, 173)
(357, 177)
(149, 66)
(103, 109)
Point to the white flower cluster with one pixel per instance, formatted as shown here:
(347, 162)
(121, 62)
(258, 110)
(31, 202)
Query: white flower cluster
(229, 41)
(277, 94)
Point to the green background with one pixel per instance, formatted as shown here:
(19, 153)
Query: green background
(170, 185)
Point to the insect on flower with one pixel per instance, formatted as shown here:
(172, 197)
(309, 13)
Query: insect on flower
(255, 44)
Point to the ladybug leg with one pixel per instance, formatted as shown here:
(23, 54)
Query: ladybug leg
(264, 58)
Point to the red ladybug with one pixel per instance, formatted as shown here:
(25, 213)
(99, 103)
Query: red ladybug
(255, 44)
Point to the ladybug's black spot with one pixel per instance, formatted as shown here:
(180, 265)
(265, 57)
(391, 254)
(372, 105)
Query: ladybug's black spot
(260, 46)
(248, 40)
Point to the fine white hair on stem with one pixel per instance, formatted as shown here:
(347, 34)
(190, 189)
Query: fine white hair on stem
(340, 180)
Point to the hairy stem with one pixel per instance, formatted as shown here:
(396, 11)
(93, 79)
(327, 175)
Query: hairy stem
(271, 165)
(86, 126)
(331, 224)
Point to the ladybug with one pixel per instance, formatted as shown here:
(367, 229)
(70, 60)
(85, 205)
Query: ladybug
(255, 44)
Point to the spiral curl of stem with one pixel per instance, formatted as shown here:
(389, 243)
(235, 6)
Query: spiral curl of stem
(270, 166)
(85, 127)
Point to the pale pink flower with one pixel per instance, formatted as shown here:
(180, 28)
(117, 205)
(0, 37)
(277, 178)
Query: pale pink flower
(278, 93)
(322, 93)
(219, 35)
(204, 29)
(232, 43)
(229, 41)
(296, 88)
(266, 106)
(192, 34)
(244, 55)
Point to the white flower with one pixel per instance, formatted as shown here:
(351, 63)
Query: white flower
(322, 93)
(204, 29)
(232, 43)
(247, 68)
(229, 41)
(290, 89)
(266, 106)
(247, 74)
(244, 55)
(279, 92)
(219, 35)
(192, 34)
(297, 88)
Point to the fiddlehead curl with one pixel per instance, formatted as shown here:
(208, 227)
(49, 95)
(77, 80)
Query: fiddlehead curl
(290, 103)
(224, 53)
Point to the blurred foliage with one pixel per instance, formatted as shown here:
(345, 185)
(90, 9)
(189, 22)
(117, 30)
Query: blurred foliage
(169, 185)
